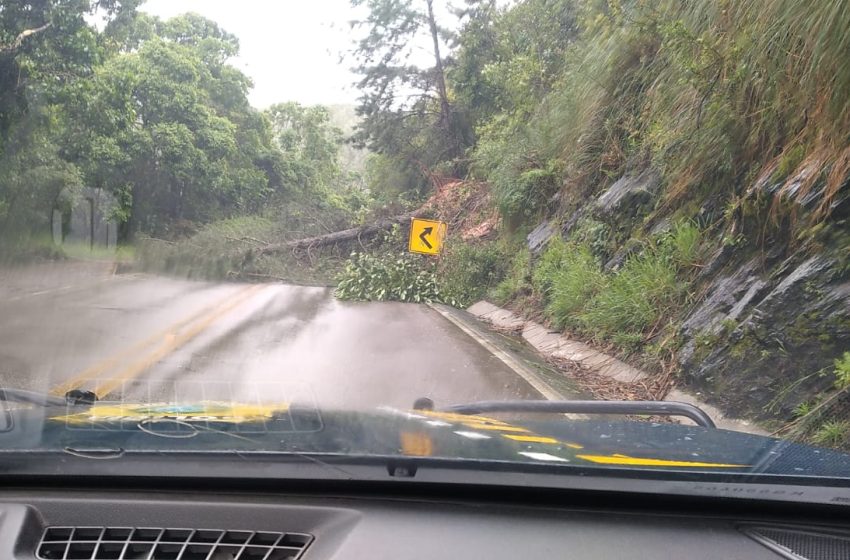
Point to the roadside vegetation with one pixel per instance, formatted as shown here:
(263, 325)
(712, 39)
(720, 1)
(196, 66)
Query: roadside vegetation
(629, 307)
(462, 276)
(150, 115)
(732, 116)
(667, 146)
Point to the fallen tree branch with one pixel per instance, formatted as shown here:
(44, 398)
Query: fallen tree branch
(243, 239)
(235, 274)
(337, 237)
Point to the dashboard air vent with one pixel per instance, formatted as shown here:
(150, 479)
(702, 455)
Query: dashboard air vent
(801, 543)
(125, 543)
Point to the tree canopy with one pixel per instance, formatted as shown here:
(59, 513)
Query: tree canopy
(148, 110)
(407, 113)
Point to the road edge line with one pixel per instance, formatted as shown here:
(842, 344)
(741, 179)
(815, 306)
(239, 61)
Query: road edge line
(518, 367)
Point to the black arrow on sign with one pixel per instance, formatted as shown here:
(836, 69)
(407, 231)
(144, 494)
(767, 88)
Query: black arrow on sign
(425, 233)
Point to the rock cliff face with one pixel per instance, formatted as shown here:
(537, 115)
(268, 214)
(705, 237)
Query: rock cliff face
(764, 340)
(769, 316)
(629, 195)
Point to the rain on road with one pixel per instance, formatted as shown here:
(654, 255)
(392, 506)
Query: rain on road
(152, 339)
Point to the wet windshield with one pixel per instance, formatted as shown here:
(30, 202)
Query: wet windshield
(575, 233)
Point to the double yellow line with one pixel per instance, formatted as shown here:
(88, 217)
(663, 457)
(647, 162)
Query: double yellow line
(139, 357)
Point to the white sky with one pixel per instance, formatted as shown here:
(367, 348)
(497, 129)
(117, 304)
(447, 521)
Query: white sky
(290, 48)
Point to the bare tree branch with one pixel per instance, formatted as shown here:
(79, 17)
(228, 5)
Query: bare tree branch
(19, 40)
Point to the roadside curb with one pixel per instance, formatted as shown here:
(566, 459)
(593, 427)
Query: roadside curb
(527, 373)
(554, 344)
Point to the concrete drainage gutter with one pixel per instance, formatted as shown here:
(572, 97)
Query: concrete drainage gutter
(557, 345)
(516, 355)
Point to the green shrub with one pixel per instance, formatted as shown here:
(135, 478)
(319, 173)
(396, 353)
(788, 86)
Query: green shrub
(642, 293)
(467, 271)
(517, 280)
(594, 234)
(571, 285)
(802, 409)
(521, 181)
(389, 277)
(832, 434)
(842, 371)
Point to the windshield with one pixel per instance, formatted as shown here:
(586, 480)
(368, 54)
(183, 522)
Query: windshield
(593, 235)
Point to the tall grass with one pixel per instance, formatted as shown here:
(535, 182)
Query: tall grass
(638, 298)
(628, 307)
(574, 284)
(517, 281)
(588, 119)
(740, 84)
(712, 93)
(554, 258)
(649, 291)
(682, 243)
(26, 248)
(84, 251)
(214, 252)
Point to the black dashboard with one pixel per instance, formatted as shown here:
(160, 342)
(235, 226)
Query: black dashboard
(221, 524)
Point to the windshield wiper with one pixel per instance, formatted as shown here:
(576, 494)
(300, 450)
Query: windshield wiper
(75, 397)
(654, 408)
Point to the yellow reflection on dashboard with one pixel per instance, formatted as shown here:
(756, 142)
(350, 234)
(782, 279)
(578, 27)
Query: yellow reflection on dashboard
(616, 459)
(417, 444)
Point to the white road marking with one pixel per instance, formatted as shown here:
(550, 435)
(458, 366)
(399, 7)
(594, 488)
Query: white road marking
(473, 435)
(543, 457)
(70, 287)
(524, 372)
(40, 293)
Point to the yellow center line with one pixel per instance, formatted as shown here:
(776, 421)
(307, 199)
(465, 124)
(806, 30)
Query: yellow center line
(172, 342)
(505, 428)
(166, 337)
(453, 417)
(530, 439)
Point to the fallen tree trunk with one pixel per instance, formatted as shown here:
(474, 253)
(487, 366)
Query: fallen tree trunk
(337, 237)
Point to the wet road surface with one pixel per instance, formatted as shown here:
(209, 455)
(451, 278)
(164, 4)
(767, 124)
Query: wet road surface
(144, 338)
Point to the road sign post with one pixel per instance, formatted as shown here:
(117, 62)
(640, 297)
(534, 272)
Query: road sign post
(426, 236)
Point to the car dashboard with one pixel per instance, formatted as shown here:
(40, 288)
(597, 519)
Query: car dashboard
(220, 524)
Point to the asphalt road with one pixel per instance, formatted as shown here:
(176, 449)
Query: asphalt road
(144, 338)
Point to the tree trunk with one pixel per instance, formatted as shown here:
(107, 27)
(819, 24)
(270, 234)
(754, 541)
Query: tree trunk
(445, 108)
(337, 237)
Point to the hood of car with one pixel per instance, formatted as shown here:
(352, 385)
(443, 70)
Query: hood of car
(388, 432)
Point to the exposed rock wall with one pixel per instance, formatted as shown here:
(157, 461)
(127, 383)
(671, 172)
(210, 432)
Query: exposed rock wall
(769, 318)
(764, 341)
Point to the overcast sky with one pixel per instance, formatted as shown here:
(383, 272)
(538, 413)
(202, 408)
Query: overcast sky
(290, 48)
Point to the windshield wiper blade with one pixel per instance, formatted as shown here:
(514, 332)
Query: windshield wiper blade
(45, 400)
(654, 408)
